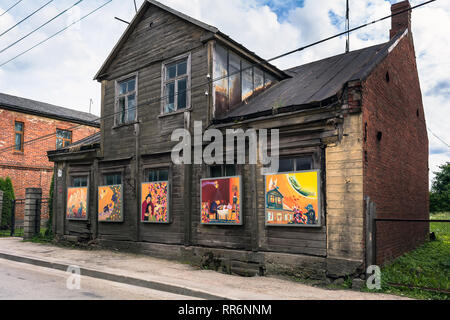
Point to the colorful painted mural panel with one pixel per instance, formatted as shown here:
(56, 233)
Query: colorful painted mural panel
(293, 199)
(110, 204)
(77, 203)
(221, 201)
(155, 202)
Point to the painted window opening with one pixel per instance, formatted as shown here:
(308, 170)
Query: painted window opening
(63, 138)
(235, 80)
(77, 199)
(110, 199)
(126, 101)
(155, 197)
(175, 87)
(19, 136)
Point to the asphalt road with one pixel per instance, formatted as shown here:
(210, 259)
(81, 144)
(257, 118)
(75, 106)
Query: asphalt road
(20, 281)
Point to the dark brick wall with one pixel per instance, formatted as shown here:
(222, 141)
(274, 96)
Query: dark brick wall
(396, 151)
(31, 168)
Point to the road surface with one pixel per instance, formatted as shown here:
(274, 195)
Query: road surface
(22, 281)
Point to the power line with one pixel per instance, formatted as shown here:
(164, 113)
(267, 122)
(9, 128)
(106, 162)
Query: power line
(26, 18)
(40, 27)
(439, 138)
(159, 99)
(55, 34)
(11, 7)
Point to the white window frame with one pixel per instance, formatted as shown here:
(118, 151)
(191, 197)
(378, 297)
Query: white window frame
(186, 56)
(117, 122)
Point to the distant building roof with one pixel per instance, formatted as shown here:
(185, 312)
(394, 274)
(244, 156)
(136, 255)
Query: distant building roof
(314, 83)
(47, 110)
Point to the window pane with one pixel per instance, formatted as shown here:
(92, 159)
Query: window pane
(131, 85)
(171, 72)
(131, 108)
(170, 99)
(182, 94)
(113, 179)
(18, 142)
(286, 165)
(163, 175)
(268, 80)
(122, 110)
(152, 176)
(247, 80)
(123, 87)
(230, 170)
(259, 79)
(19, 126)
(109, 180)
(303, 164)
(221, 86)
(59, 143)
(67, 143)
(80, 182)
(182, 68)
(216, 172)
(235, 80)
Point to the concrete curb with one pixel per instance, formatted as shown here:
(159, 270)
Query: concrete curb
(115, 278)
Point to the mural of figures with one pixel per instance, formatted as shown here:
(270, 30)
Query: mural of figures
(155, 202)
(221, 201)
(292, 199)
(110, 204)
(77, 203)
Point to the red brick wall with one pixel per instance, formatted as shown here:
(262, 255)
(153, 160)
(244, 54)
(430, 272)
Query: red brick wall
(31, 169)
(396, 168)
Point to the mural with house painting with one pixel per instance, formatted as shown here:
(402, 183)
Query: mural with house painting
(292, 199)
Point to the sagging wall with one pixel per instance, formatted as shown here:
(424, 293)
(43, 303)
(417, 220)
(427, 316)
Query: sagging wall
(396, 151)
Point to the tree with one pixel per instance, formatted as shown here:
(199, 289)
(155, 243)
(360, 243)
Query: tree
(440, 191)
(8, 195)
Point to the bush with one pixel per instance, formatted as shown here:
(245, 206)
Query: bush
(8, 195)
(440, 191)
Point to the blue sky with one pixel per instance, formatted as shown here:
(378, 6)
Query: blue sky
(61, 70)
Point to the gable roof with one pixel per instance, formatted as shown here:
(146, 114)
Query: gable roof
(315, 83)
(47, 110)
(215, 33)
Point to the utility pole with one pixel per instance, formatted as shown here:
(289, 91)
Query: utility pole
(347, 28)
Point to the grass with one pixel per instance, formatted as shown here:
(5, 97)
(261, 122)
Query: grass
(7, 233)
(426, 267)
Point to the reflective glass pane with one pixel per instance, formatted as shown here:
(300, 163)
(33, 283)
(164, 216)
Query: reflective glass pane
(259, 79)
(152, 176)
(122, 109)
(216, 172)
(131, 108)
(59, 143)
(170, 97)
(171, 72)
(220, 71)
(131, 85)
(235, 80)
(182, 68)
(182, 94)
(19, 126)
(303, 164)
(18, 142)
(269, 80)
(163, 175)
(123, 87)
(66, 143)
(230, 170)
(286, 165)
(247, 80)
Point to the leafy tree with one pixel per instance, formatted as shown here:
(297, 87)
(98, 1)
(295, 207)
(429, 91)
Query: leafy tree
(440, 190)
(8, 195)
(49, 231)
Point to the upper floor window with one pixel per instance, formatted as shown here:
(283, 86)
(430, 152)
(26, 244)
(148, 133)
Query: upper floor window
(235, 79)
(295, 164)
(220, 171)
(19, 134)
(157, 175)
(63, 138)
(79, 182)
(126, 93)
(176, 85)
(113, 179)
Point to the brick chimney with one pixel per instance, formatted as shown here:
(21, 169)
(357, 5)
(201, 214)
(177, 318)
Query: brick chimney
(402, 21)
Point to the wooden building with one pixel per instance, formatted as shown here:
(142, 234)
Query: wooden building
(357, 118)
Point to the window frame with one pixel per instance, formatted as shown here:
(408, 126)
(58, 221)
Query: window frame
(117, 111)
(63, 139)
(223, 169)
(164, 65)
(22, 135)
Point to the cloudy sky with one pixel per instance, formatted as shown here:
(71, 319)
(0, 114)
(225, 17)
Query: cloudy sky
(61, 70)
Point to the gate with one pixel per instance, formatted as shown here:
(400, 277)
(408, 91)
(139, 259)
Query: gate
(15, 227)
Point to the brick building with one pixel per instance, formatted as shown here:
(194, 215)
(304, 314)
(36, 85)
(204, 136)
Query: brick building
(24, 120)
(356, 119)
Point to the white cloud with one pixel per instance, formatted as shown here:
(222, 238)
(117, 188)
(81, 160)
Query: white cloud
(61, 70)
